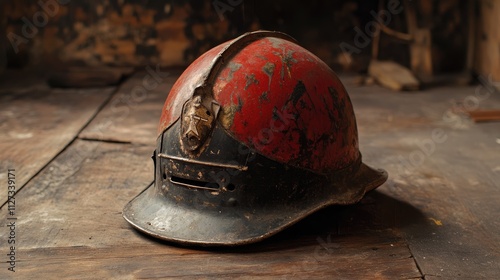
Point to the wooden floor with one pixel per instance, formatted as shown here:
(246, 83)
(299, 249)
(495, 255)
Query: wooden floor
(81, 154)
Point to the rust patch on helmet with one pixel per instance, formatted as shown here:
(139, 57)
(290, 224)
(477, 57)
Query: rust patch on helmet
(228, 112)
(250, 80)
(233, 67)
(269, 70)
(297, 93)
(264, 97)
(340, 105)
(287, 62)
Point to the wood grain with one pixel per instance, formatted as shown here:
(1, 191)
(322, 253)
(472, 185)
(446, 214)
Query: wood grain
(87, 77)
(70, 226)
(134, 112)
(162, 262)
(36, 123)
(440, 212)
(453, 183)
(487, 39)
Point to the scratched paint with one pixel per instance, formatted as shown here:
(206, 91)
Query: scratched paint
(184, 87)
(319, 130)
(279, 99)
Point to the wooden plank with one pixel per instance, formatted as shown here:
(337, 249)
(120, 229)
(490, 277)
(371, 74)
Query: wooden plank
(487, 40)
(70, 226)
(133, 113)
(346, 262)
(36, 123)
(445, 208)
(86, 77)
(421, 54)
(484, 115)
(452, 185)
(393, 75)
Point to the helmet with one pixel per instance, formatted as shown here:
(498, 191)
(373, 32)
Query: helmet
(256, 134)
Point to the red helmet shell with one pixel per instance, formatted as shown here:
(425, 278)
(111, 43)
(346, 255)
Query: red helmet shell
(311, 126)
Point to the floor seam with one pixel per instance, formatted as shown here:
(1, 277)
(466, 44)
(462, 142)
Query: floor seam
(84, 126)
(422, 275)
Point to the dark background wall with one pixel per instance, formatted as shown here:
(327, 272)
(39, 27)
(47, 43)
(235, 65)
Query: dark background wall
(173, 33)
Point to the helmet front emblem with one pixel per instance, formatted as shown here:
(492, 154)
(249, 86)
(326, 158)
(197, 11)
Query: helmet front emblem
(198, 119)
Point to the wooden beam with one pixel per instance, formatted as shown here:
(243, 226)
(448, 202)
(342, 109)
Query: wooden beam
(484, 116)
(420, 46)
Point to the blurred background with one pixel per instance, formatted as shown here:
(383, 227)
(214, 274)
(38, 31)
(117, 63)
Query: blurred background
(82, 85)
(429, 37)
